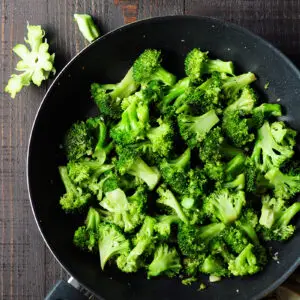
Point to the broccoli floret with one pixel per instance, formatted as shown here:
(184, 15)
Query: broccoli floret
(191, 265)
(167, 198)
(213, 265)
(143, 243)
(224, 205)
(233, 85)
(236, 184)
(86, 237)
(164, 224)
(236, 128)
(218, 247)
(194, 129)
(192, 240)
(133, 125)
(127, 213)
(174, 171)
(285, 186)
(148, 67)
(246, 263)
(263, 112)
(197, 63)
(75, 198)
(132, 164)
(247, 223)
(267, 153)
(214, 170)
(162, 137)
(166, 261)
(111, 242)
(108, 98)
(197, 182)
(87, 26)
(283, 135)
(275, 218)
(235, 238)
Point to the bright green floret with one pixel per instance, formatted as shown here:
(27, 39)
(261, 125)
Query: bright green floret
(87, 26)
(164, 225)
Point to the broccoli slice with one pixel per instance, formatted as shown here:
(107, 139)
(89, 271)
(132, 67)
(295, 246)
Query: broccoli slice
(174, 171)
(224, 205)
(143, 244)
(75, 198)
(168, 199)
(267, 153)
(36, 64)
(194, 129)
(197, 64)
(148, 67)
(166, 261)
(193, 240)
(111, 243)
(87, 26)
(246, 263)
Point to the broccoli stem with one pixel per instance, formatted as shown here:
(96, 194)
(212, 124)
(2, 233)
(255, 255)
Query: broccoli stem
(87, 26)
(164, 75)
(69, 186)
(178, 89)
(217, 65)
(288, 214)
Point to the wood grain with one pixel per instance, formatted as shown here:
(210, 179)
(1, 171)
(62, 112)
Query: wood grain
(27, 269)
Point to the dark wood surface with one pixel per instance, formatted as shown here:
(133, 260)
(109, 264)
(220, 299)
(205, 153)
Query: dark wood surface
(27, 268)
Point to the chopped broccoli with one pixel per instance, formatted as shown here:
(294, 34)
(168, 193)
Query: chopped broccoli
(147, 67)
(87, 26)
(166, 261)
(194, 129)
(36, 64)
(111, 242)
(213, 265)
(164, 223)
(263, 112)
(283, 135)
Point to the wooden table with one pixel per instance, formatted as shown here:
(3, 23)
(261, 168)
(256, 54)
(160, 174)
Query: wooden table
(27, 269)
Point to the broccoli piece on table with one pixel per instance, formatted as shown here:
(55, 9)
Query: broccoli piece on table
(87, 26)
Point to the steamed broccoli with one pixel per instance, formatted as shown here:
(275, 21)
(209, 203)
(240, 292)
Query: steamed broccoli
(197, 64)
(194, 129)
(283, 135)
(263, 112)
(147, 67)
(166, 261)
(164, 224)
(111, 242)
(213, 265)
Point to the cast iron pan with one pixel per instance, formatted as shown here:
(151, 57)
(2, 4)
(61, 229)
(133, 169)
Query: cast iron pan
(68, 100)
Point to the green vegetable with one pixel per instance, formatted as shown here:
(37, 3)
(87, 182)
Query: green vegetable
(36, 63)
(87, 26)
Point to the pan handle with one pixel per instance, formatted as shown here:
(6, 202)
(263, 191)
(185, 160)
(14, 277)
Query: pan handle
(65, 291)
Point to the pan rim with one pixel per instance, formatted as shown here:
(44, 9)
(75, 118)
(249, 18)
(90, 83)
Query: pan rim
(233, 26)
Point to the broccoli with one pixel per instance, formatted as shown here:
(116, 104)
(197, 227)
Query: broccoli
(245, 264)
(87, 26)
(193, 240)
(197, 63)
(219, 248)
(174, 171)
(75, 198)
(131, 164)
(36, 64)
(213, 265)
(164, 223)
(167, 198)
(224, 205)
(108, 98)
(127, 213)
(234, 167)
(111, 242)
(133, 125)
(283, 135)
(147, 67)
(86, 237)
(233, 85)
(275, 218)
(235, 238)
(143, 243)
(267, 153)
(191, 265)
(197, 183)
(166, 261)
(194, 129)
(237, 184)
(285, 186)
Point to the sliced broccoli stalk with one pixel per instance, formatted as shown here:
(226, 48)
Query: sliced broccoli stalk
(166, 261)
(224, 205)
(74, 199)
(143, 244)
(111, 243)
(267, 153)
(233, 85)
(168, 199)
(213, 265)
(193, 240)
(87, 26)
(164, 224)
(245, 264)
(194, 129)
(197, 64)
(148, 67)
(174, 172)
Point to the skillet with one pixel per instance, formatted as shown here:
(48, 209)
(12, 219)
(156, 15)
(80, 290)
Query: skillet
(68, 100)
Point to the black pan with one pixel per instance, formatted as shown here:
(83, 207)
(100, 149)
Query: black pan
(68, 99)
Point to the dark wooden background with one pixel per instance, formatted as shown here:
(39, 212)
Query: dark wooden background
(27, 269)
